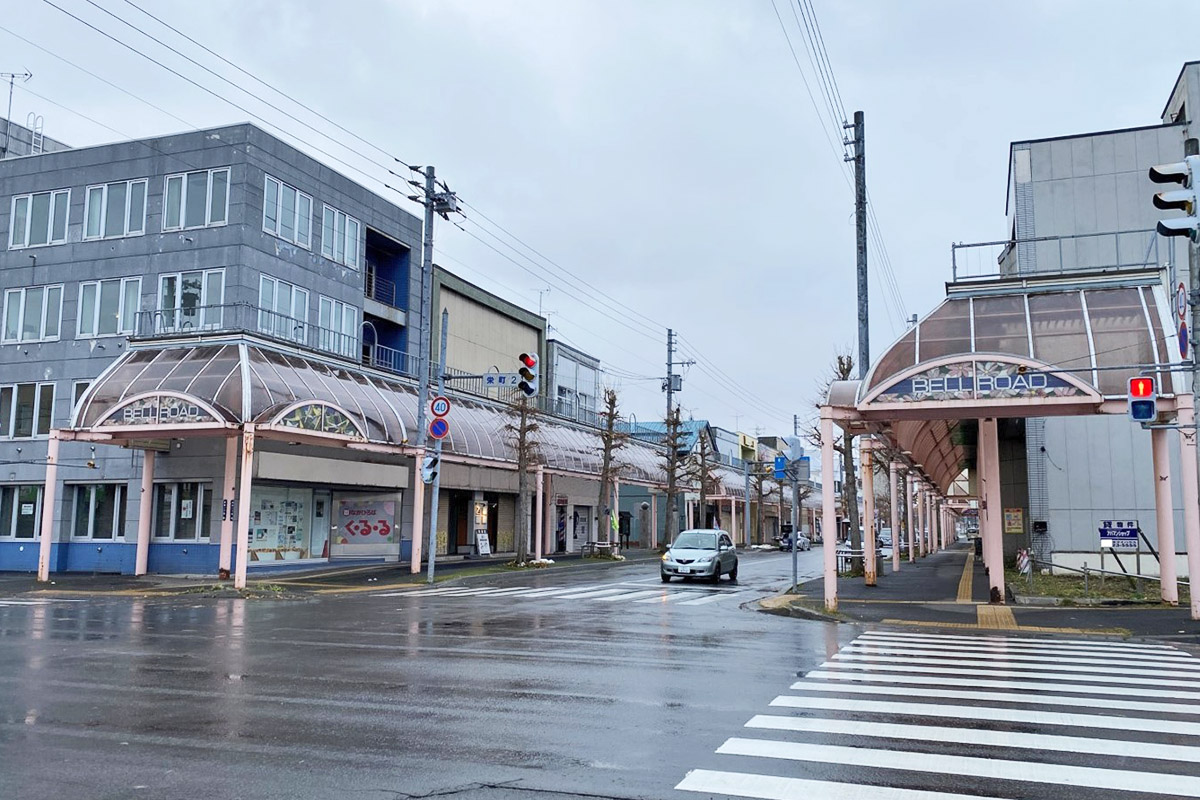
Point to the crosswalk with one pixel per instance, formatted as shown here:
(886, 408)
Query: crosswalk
(897, 715)
(611, 593)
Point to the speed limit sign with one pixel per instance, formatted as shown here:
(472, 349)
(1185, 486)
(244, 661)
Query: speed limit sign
(439, 406)
(1181, 301)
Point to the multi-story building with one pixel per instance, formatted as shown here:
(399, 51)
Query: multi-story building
(180, 237)
(171, 303)
(572, 382)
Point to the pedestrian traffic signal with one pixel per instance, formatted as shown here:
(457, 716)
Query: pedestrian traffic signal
(1184, 173)
(429, 468)
(529, 374)
(1143, 399)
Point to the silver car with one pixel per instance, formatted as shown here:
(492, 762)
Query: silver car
(704, 553)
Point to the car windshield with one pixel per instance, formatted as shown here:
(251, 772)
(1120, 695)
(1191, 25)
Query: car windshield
(697, 541)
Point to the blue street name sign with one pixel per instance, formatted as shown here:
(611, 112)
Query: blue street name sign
(780, 467)
(1119, 534)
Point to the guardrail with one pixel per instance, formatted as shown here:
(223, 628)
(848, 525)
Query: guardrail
(1087, 572)
(1049, 255)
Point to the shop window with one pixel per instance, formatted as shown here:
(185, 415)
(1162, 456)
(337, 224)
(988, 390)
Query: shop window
(182, 511)
(280, 524)
(20, 511)
(98, 511)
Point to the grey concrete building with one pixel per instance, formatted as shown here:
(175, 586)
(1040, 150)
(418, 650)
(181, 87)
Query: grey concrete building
(178, 237)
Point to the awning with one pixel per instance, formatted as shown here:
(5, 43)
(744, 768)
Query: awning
(154, 389)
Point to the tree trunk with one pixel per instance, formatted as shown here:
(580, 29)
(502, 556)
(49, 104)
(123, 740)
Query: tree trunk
(850, 496)
(521, 535)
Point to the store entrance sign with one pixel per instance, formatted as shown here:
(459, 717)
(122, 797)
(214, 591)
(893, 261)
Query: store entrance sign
(367, 522)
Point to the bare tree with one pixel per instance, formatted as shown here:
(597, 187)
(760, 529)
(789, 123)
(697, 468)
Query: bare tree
(672, 441)
(523, 424)
(702, 468)
(843, 369)
(611, 440)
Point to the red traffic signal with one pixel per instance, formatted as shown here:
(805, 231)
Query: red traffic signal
(527, 360)
(1141, 388)
(528, 374)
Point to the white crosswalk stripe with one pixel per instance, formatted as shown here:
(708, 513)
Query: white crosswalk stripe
(926, 716)
(614, 593)
(40, 601)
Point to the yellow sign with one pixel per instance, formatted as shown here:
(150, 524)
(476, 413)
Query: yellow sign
(1014, 520)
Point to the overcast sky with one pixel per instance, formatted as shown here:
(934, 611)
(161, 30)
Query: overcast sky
(663, 154)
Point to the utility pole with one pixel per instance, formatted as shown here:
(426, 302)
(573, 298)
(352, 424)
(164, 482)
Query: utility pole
(860, 216)
(426, 307)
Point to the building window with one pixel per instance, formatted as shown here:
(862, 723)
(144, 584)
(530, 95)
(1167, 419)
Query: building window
(33, 314)
(196, 199)
(340, 237)
(99, 511)
(108, 308)
(77, 395)
(20, 511)
(26, 410)
(39, 219)
(182, 511)
(282, 309)
(339, 327)
(287, 212)
(115, 209)
(190, 300)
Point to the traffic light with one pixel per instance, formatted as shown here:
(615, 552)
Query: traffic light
(1183, 173)
(1143, 399)
(429, 468)
(529, 374)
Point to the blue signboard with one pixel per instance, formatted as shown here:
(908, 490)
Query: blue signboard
(780, 467)
(1119, 534)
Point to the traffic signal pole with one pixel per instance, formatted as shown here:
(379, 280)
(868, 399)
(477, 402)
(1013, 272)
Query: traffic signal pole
(860, 229)
(437, 450)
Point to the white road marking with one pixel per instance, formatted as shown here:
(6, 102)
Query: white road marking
(710, 599)
(990, 714)
(582, 595)
(771, 787)
(1141, 783)
(667, 596)
(977, 736)
(982, 663)
(982, 681)
(1058, 658)
(999, 646)
(630, 595)
(947, 637)
(1000, 697)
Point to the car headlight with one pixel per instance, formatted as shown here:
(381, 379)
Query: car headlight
(707, 560)
(666, 556)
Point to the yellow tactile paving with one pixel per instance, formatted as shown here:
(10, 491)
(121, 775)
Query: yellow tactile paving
(996, 617)
(967, 579)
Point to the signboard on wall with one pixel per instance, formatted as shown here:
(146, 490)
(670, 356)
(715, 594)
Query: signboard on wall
(367, 522)
(972, 380)
(1014, 520)
(1119, 534)
(159, 409)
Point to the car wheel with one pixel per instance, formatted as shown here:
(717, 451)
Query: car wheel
(733, 573)
(665, 577)
(716, 576)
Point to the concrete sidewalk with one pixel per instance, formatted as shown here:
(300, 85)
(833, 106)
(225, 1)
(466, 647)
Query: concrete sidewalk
(950, 590)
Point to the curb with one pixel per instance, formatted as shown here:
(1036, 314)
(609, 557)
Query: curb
(786, 606)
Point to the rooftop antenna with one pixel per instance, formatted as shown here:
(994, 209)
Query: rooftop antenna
(12, 78)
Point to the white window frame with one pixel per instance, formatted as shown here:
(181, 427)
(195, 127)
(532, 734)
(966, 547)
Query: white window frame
(57, 197)
(284, 323)
(126, 230)
(272, 185)
(8, 527)
(126, 317)
(212, 313)
(204, 488)
(182, 177)
(118, 531)
(47, 304)
(8, 427)
(343, 341)
(329, 243)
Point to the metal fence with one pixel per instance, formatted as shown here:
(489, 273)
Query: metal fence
(1048, 255)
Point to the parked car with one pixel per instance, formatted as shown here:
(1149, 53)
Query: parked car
(784, 542)
(700, 553)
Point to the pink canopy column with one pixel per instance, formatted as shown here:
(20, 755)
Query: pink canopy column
(1164, 517)
(828, 513)
(992, 524)
(893, 481)
(1191, 495)
(868, 481)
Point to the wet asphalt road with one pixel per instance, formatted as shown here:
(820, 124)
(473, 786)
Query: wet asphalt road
(367, 696)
